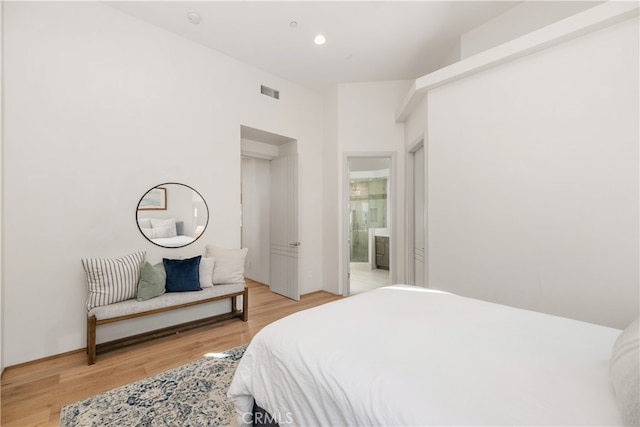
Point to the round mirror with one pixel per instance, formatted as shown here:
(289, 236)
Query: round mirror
(172, 215)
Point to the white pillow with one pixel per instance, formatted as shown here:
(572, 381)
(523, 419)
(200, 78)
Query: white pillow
(155, 233)
(112, 280)
(166, 231)
(625, 373)
(168, 227)
(229, 265)
(157, 222)
(144, 222)
(206, 272)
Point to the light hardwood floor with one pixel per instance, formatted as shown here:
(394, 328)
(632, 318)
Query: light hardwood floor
(34, 393)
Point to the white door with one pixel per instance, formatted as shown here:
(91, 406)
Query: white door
(284, 226)
(419, 216)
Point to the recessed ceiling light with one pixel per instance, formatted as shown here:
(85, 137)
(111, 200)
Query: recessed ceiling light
(193, 17)
(319, 40)
(293, 24)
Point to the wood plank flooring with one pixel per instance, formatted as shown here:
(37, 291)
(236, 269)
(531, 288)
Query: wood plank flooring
(32, 394)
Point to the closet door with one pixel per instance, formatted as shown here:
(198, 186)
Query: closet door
(284, 226)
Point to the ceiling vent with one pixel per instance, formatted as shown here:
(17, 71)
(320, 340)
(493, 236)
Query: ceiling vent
(265, 90)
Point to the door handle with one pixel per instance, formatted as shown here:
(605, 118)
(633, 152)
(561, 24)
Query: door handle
(296, 244)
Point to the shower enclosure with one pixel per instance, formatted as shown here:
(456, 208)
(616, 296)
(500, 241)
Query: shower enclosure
(368, 207)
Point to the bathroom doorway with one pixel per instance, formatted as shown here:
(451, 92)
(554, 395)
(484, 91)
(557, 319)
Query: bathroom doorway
(369, 207)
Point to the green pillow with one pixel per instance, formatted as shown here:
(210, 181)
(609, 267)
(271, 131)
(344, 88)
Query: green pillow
(152, 281)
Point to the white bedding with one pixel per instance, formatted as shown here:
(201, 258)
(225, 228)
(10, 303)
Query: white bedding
(173, 242)
(403, 355)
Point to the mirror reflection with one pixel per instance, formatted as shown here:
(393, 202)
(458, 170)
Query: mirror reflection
(172, 215)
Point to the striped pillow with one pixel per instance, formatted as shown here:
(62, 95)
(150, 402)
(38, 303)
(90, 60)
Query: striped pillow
(112, 280)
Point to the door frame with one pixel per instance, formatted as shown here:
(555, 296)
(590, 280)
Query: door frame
(344, 268)
(285, 145)
(420, 142)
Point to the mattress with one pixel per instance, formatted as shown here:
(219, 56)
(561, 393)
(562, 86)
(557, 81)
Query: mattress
(173, 242)
(403, 355)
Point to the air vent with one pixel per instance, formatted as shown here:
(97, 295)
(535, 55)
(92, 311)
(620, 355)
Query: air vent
(265, 90)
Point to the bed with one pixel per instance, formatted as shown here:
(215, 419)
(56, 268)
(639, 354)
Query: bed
(174, 241)
(404, 355)
(166, 232)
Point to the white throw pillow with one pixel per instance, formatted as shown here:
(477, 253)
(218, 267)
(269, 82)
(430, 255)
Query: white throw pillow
(625, 373)
(229, 265)
(160, 232)
(144, 222)
(166, 231)
(159, 222)
(168, 227)
(112, 280)
(206, 272)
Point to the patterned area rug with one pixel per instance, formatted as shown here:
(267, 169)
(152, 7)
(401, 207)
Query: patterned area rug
(190, 395)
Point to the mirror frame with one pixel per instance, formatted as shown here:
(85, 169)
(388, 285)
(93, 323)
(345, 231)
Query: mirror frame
(164, 203)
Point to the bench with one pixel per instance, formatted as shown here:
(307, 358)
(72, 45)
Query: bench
(133, 308)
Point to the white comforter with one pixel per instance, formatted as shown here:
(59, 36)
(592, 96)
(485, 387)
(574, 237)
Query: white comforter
(404, 355)
(173, 242)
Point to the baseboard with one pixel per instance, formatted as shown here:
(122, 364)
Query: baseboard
(44, 359)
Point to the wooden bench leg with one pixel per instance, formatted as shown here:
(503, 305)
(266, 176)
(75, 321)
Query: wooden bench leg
(91, 340)
(245, 304)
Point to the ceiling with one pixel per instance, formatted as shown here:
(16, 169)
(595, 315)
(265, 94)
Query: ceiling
(366, 40)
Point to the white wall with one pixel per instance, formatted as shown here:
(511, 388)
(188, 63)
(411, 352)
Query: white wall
(533, 180)
(330, 210)
(1, 197)
(454, 54)
(256, 217)
(523, 18)
(366, 123)
(416, 124)
(100, 107)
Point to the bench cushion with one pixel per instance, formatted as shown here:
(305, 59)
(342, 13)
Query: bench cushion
(133, 306)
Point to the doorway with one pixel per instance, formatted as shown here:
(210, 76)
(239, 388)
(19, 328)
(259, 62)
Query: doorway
(368, 227)
(269, 210)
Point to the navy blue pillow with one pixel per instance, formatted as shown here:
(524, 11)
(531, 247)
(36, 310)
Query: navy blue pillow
(182, 274)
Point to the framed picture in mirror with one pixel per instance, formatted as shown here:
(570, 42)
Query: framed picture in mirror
(154, 199)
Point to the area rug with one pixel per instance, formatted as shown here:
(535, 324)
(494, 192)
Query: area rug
(190, 395)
